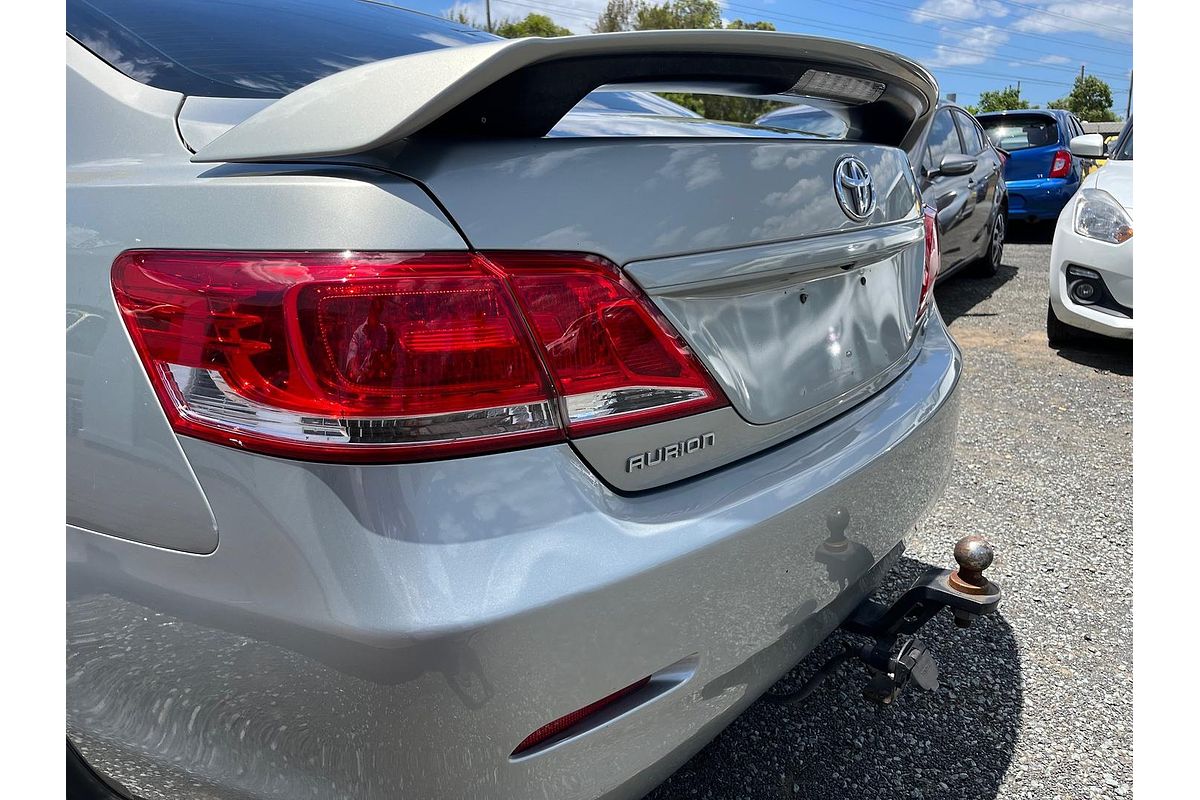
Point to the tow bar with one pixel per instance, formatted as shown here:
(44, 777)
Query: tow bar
(896, 655)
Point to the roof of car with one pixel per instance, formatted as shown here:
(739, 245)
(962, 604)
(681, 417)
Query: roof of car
(1044, 112)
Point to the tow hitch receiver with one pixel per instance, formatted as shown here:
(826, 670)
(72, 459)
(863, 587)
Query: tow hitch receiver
(895, 656)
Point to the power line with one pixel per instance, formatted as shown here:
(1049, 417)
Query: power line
(1010, 78)
(914, 40)
(1049, 13)
(562, 11)
(574, 13)
(841, 4)
(966, 21)
(768, 16)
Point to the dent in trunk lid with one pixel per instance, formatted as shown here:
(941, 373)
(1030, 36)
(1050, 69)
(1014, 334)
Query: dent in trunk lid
(790, 327)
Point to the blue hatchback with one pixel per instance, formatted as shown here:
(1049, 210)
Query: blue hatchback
(1040, 171)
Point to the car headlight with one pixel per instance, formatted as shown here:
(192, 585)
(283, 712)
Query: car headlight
(1098, 215)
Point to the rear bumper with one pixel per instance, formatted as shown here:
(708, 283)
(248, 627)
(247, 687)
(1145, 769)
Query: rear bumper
(1040, 199)
(390, 631)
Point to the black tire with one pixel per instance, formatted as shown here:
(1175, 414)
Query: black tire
(988, 266)
(1059, 333)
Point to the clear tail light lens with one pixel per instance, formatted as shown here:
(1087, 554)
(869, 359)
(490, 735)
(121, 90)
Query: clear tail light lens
(396, 356)
(933, 260)
(1061, 166)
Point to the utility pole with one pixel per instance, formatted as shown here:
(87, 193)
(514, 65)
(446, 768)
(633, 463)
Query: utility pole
(488, 5)
(1081, 70)
(1129, 97)
(1018, 90)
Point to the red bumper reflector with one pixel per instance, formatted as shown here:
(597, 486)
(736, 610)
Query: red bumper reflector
(562, 724)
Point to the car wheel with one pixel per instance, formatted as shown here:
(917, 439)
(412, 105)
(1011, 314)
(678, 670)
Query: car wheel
(989, 265)
(1059, 333)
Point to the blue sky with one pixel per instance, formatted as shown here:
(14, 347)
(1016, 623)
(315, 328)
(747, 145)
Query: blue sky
(971, 45)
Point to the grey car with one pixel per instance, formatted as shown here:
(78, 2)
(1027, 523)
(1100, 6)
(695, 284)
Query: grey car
(429, 439)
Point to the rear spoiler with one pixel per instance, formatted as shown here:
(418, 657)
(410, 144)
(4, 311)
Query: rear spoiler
(523, 87)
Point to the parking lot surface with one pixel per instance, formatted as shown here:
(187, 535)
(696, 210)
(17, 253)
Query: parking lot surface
(1036, 701)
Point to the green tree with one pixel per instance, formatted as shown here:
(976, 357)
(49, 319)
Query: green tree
(616, 16)
(681, 14)
(739, 25)
(460, 15)
(641, 15)
(1090, 99)
(1006, 99)
(533, 25)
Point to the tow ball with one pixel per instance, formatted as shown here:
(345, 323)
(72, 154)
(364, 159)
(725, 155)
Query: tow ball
(895, 655)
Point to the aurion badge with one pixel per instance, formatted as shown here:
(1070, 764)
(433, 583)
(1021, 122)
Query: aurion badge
(854, 188)
(669, 452)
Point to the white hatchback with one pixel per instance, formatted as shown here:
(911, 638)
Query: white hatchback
(1091, 261)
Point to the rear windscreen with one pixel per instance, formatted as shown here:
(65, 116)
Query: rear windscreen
(1012, 132)
(252, 48)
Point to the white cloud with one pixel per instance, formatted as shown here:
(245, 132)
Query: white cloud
(1111, 20)
(972, 46)
(981, 41)
(935, 11)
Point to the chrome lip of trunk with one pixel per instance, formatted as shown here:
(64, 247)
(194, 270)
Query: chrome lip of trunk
(726, 268)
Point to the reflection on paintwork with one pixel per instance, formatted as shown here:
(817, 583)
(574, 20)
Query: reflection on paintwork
(844, 559)
(608, 124)
(208, 58)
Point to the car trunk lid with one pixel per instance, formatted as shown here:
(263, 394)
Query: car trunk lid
(742, 244)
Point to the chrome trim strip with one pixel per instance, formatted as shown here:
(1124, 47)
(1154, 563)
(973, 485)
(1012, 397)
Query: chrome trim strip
(728, 269)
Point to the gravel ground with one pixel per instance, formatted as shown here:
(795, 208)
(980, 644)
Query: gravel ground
(1036, 701)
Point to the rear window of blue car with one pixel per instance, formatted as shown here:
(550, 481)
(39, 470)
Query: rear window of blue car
(252, 48)
(1020, 131)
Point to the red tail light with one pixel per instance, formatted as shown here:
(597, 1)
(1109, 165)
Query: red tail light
(393, 356)
(933, 259)
(1061, 164)
(614, 359)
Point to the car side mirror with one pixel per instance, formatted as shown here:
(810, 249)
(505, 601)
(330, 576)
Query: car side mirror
(1089, 145)
(955, 164)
